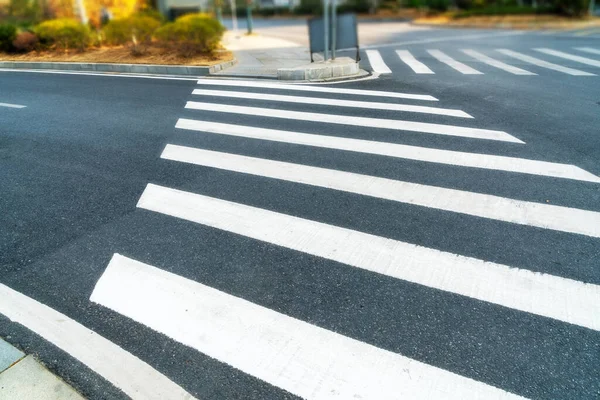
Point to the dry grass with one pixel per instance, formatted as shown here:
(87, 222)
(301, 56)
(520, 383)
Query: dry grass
(512, 21)
(121, 55)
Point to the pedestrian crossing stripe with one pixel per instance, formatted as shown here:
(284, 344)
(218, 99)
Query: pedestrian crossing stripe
(544, 64)
(546, 295)
(451, 62)
(332, 102)
(495, 63)
(589, 50)
(377, 63)
(393, 124)
(413, 63)
(545, 216)
(572, 57)
(315, 89)
(448, 157)
(303, 359)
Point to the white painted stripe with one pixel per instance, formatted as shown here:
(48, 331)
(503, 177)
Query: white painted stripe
(587, 32)
(332, 102)
(457, 65)
(377, 62)
(301, 358)
(11, 105)
(316, 89)
(589, 50)
(109, 74)
(443, 39)
(474, 160)
(542, 294)
(413, 63)
(572, 57)
(134, 377)
(545, 216)
(543, 64)
(411, 126)
(495, 63)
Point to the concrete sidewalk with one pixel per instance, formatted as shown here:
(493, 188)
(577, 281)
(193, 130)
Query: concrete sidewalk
(23, 378)
(261, 56)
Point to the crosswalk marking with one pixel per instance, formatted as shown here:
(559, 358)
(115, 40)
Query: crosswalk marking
(538, 293)
(125, 371)
(457, 65)
(449, 157)
(544, 64)
(8, 105)
(495, 63)
(413, 63)
(572, 57)
(332, 102)
(377, 63)
(316, 89)
(301, 358)
(545, 216)
(381, 123)
(589, 50)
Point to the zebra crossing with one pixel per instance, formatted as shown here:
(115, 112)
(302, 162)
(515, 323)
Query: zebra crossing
(301, 357)
(504, 60)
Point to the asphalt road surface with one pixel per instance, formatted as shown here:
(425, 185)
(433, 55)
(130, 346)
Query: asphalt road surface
(433, 233)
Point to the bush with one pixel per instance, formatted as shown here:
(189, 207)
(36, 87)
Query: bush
(136, 29)
(438, 5)
(504, 10)
(574, 8)
(63, 34)
(8, 33)
(355, 6)
(25, 42)
(192, 34)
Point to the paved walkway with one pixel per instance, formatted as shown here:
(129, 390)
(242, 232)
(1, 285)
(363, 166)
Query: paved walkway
(23, 378)
(260, 55)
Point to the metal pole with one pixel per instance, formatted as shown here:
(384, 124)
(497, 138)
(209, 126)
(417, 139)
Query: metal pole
(326, 29)
(249, 15)
(592, 7)
(81, 10)
(333, 28)
(234, 16)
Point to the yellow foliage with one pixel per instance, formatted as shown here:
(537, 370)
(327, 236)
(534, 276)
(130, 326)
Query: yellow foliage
(118, 8)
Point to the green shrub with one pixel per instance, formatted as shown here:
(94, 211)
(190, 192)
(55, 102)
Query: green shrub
(355, 6)
(309, 7)
(574, 8)
(438, 5)
(8, 33)
(63, 34)
(136, 29)
(504, 10)
(191, 34)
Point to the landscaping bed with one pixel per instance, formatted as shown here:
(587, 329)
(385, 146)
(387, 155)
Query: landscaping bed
(532, 21)
(192, 40)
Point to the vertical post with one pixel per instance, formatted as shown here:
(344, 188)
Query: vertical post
(234, 16)
(592, 7)
(326, 29)
(219, 11)
(249, 16)
(81, 11)
(333, 28)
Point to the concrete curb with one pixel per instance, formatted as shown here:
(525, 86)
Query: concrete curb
(343, 67)
(22, 377)
(121, 68)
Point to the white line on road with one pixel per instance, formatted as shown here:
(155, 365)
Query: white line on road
(545, 216)
(543, 64)
(377, 63)
(572, 57)
(449, 157)
(11, 105)
(444, 39)
(109, 74)
(457, 65)
(134, 377)
(413, 63)
(333, 102)
(317, 89)
(538, 293)
(301, 358)
(421, 127)
(495, 63)
(589, 50)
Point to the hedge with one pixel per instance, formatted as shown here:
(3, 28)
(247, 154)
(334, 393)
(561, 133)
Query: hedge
(191, 34)
(131, 29)
(63, 34)
(8, 33)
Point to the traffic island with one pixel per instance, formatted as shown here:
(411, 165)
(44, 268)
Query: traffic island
(343, 67)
